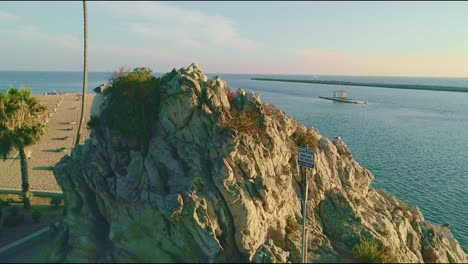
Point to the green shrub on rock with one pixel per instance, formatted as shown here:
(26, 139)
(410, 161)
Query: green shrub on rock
(373, 251)
(133, 97)
(305, 139)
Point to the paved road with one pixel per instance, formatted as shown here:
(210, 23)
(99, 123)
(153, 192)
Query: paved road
(28, 252)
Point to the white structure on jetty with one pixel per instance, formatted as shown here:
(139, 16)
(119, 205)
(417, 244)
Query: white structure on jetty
(340, 94)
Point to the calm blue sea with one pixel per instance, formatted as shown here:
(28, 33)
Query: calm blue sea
(414, 142)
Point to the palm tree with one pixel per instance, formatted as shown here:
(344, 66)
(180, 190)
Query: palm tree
(85, 72)
(21, 124)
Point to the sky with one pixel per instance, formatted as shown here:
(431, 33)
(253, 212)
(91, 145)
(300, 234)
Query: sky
(319, 38)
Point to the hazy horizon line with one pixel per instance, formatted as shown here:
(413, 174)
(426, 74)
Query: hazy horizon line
(231, 73)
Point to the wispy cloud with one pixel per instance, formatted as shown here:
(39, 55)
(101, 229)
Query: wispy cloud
(316, 61)
(69, 42)
(4, 16)
(186, 27)
(109, 57)
(34, 34)
(131, 52)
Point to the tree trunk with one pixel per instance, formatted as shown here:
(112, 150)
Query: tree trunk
(24, 178)
(85, 73)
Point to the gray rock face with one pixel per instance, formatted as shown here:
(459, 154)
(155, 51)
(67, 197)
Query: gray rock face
(101, 88)
(218, 181)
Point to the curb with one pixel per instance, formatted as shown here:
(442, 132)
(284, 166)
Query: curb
(19, 191)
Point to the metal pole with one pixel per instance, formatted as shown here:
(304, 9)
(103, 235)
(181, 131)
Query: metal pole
(304, 207)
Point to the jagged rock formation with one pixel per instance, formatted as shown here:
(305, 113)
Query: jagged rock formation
(101, 88)
(217, 181)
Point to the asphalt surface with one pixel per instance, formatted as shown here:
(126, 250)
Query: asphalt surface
(31, 251)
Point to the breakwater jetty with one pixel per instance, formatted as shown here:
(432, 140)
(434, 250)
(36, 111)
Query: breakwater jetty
(380, 85)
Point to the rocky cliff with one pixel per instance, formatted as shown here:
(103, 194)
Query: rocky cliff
(216, 180)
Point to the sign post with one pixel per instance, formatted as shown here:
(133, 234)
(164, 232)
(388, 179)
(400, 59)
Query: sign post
(306, 159)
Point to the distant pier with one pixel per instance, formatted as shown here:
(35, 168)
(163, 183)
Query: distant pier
(382, 85)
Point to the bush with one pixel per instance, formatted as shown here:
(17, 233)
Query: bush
(373, 251)
(36, 216)
(292, 225)
(9, 201)
(305, 139)
(403, 207)
(293, 234)
(300, 140)
(248, 121)
(56, 200)
(231, 96)
(14, 218)
(133, 97)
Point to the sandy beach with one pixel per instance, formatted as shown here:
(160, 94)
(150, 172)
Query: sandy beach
(61, 134)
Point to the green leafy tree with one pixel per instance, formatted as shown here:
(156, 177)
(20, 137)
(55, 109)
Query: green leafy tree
(85, 72)
(21, 124)
(140, 74)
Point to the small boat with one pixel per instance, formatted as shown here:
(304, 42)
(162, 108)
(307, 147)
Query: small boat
(342, 96)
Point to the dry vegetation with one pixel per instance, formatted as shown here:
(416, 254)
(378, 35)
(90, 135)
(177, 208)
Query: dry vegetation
(247, 121)
(231, 95)
(293, 233)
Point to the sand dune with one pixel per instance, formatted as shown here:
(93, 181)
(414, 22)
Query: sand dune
(56, 143)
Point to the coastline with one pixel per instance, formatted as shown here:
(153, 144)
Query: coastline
(378, 85)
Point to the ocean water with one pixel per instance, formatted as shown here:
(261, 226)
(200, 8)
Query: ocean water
(414, 142)
(43, 82)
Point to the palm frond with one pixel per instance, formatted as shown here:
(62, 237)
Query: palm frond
(6, 145)
(21, 119)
